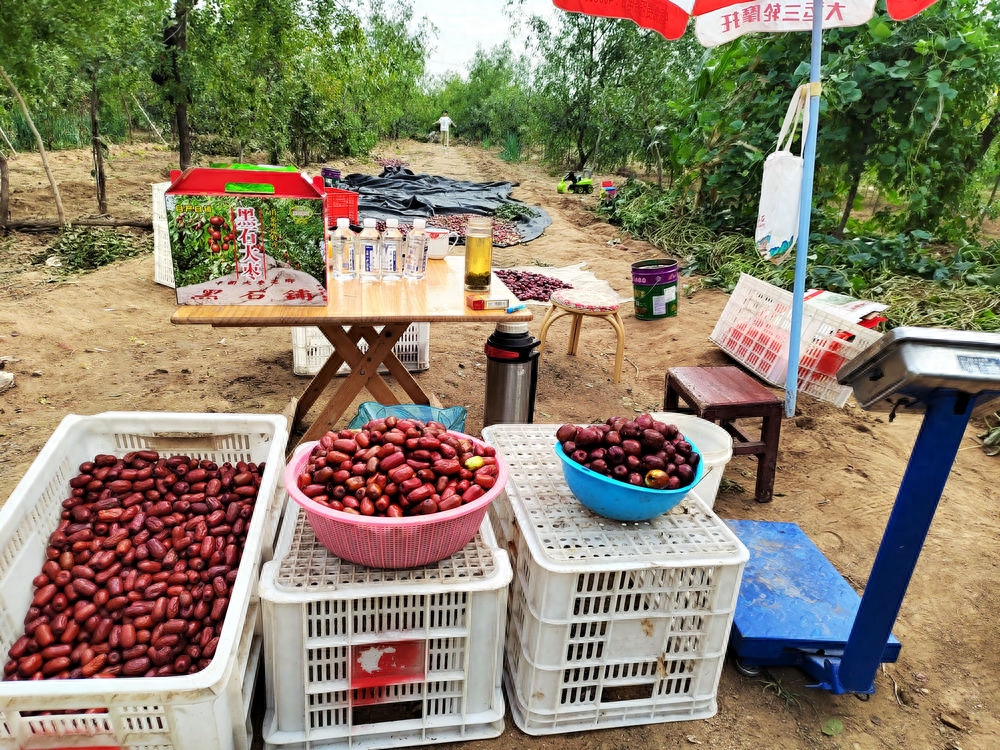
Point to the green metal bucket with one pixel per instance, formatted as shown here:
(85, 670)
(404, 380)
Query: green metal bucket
(655, 288)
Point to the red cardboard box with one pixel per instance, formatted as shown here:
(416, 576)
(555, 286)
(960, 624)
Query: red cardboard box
(250, 237)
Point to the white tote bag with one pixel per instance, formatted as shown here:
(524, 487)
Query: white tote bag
(781, 188)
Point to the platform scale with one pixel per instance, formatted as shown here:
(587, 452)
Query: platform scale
(794, 608)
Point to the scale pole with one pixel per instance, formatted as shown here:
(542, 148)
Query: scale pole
(937, 443)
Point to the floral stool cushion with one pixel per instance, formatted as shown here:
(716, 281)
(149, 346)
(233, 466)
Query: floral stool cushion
(589, 302)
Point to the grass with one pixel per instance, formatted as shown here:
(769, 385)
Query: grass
(773, 684)
(81, 249)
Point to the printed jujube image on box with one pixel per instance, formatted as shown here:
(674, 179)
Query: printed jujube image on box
(246, 249)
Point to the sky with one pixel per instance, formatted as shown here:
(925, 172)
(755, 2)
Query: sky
(464, 24)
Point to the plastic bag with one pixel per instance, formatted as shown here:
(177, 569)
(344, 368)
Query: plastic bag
(781, 187)
(452, 417)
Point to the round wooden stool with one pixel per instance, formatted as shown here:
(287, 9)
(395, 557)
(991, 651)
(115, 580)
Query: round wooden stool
(581, 305)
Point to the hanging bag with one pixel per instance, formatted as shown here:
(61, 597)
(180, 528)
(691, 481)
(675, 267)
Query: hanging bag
(781, 187)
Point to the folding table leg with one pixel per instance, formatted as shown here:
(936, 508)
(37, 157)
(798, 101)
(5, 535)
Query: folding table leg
(364, 371)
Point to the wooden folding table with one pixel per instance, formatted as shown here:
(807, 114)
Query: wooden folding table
(378, 313)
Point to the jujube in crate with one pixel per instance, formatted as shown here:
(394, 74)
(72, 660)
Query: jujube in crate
(139, 572)
(643, 451)
(397, 467)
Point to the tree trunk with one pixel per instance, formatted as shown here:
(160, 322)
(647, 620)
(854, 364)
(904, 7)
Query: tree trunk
(852, 193)
(168, 73)
(128, 118)
(181, 10)
(993, 193)
(183, 136)
(4, 192)
(98, 148)
(989, 134)
(41, 146)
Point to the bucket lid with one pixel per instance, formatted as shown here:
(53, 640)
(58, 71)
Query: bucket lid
(512, 327)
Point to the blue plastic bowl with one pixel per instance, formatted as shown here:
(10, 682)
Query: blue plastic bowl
(620, 501)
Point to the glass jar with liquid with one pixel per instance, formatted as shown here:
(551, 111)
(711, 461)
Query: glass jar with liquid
(478, 253)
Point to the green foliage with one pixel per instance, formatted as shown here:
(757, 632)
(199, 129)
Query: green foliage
(511, 149)
(991, 438)
(79, 249)
(923, 283)
(514, 211)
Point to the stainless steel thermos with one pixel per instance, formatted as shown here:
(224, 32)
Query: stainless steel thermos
(511, 375)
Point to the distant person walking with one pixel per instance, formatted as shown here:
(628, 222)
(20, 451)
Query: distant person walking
(445, 124)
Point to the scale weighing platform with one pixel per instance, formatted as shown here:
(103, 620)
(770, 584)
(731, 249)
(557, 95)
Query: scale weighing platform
(794, 608)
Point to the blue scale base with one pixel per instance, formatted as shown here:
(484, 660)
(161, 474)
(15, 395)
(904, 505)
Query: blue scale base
(793, 606)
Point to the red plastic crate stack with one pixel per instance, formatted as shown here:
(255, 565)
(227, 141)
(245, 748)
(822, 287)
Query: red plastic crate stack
(339, 203)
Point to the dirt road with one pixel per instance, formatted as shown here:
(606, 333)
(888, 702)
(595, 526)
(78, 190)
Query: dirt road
(103, 341)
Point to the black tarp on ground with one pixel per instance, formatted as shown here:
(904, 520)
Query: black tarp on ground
(404, 195)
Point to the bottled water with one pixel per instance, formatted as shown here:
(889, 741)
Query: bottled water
(416, 251)
(369, 252)
(341, 257)
(392, 251)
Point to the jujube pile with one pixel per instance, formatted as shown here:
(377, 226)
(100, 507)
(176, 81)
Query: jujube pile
(139, 572)
(397, 467)
(643, 451)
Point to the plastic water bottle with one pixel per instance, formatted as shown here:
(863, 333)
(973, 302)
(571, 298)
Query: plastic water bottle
(341, 260)
(370, 251)
(416, 251)
(392, 251)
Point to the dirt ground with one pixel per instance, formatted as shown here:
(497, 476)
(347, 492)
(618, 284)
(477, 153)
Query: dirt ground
(103, 341)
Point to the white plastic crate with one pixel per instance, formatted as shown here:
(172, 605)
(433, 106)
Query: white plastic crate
(609, 624)
(311, 349)
(206, 709)
(163, 264)
(754, 330)
(360, 657)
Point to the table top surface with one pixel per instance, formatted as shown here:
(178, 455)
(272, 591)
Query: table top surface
(440, 297)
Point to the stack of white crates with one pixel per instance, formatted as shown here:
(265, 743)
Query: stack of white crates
(368, 658)
(311, 349)
(609, 624)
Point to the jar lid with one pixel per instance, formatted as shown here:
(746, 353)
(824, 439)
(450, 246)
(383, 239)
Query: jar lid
(392, 222)
(419, 223)
(343, 221)
(369, 223)
(512, 327)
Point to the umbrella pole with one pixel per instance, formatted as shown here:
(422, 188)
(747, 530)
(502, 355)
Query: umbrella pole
(805, 211)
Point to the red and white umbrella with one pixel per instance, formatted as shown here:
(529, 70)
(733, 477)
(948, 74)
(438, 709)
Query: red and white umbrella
(670, 17)
(719, 21)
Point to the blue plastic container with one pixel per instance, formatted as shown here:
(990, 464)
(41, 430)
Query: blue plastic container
(620, 501)
(452, 417)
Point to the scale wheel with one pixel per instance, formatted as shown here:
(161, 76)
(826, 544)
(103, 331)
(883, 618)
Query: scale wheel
(747, 670)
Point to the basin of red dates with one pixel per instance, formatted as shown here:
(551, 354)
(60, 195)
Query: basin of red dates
(628, 469)
(396, 493)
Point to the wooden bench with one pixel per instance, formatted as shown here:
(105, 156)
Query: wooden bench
(725, 395)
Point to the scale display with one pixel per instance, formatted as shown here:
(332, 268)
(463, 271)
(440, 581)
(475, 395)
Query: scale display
(909, 364)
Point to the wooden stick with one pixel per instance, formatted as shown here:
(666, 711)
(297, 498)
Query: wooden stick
(149, 120)
(9, 144)
(44, 225)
